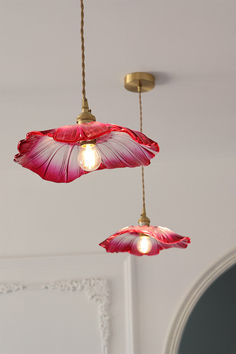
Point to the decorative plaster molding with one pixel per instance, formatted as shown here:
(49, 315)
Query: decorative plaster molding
(96, 290)
(175, 334)
(7, 288)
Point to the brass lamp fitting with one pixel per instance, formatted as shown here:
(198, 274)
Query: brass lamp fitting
(85, 116)
(143, 220)
(88, 142)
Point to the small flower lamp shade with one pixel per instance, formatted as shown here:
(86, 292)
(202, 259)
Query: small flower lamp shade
(144, 240)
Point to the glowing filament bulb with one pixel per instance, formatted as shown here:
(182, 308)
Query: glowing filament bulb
(89, 158)
(144, 244)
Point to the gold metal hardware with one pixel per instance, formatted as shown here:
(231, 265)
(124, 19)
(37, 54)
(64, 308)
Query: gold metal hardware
(134, 81)
(84, 142)
(85, 116)
(143, 220)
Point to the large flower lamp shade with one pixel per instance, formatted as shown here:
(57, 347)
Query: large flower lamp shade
(143, 239)
(64, 154)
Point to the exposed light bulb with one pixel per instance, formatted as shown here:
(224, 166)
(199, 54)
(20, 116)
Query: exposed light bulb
(144, 244)
(89, 157)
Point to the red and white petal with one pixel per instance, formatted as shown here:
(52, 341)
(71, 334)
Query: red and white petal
(81, 132)
(120, 243)
(162, 234)
(52, 160)
(137, 136)
(120, 150)
(169, 237)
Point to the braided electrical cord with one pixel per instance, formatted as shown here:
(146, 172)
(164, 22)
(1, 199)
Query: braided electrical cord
(141, 130)
(82, 50)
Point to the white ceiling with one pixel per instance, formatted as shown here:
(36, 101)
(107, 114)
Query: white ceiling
(189, 45)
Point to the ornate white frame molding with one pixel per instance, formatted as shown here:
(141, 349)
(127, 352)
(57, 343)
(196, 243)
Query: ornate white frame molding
(96, 290)
(177, 328)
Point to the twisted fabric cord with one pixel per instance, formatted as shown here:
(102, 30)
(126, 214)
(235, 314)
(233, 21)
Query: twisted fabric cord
(141, 130)
(82, 49)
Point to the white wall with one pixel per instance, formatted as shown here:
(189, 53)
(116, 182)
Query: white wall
(191, 184)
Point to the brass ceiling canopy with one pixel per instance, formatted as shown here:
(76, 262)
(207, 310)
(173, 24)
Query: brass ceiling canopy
(139, 81)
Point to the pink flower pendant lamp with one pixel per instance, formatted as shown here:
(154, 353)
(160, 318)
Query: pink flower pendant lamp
(143, 239)
(61, 155)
